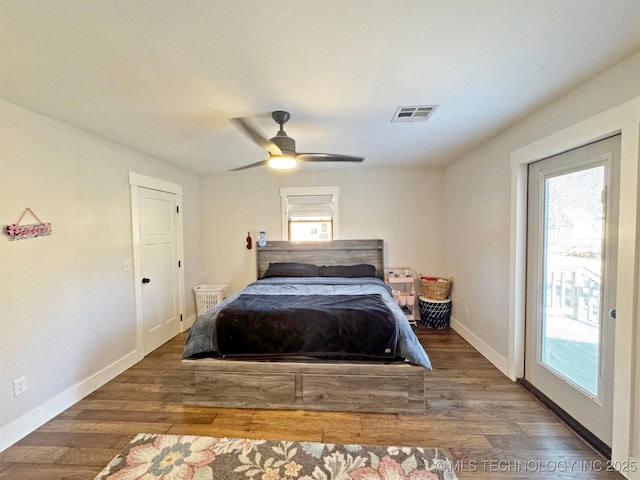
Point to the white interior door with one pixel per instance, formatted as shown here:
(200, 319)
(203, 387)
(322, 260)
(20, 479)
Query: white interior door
(571, 271)
(158, 225)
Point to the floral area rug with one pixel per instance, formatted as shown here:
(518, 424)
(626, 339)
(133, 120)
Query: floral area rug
(173, 457)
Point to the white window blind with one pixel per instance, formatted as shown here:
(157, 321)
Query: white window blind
(309, 213)
(309, 207)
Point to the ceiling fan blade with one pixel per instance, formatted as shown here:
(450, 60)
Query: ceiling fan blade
(327, 157)
(257, 137)
(257, 164)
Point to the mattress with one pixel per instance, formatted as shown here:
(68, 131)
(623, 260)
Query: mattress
(315, 317)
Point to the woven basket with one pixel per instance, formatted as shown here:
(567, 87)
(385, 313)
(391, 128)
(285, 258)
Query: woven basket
(437, 289)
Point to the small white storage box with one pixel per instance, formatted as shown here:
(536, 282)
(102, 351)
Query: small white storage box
(208, 296)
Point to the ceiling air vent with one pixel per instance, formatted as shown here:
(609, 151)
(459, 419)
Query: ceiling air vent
(416, 113)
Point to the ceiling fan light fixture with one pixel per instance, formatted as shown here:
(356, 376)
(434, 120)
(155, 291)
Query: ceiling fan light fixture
(282, 148)
(281, 162)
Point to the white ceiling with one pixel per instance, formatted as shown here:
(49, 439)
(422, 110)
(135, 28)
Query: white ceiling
(163, 77)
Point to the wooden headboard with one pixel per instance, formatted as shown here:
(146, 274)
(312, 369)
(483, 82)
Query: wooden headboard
(335, 252)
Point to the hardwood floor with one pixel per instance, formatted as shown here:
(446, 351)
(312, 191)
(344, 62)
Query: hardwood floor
(492, 428)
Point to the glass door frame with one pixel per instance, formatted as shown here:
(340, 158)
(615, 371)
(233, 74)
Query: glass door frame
(591, 417)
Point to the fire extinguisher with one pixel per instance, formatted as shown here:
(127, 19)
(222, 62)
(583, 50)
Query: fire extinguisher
(249, 241)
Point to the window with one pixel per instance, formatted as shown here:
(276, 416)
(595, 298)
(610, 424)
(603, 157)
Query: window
(309, 213)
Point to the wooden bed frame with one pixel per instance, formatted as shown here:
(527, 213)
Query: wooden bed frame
(308, 385)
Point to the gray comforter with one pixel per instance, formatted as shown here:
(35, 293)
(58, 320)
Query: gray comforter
(203, 339)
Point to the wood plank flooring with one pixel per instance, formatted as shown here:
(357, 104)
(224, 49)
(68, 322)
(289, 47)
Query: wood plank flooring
(491, 427)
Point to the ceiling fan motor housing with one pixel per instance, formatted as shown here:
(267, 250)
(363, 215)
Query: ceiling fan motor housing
(285, 143)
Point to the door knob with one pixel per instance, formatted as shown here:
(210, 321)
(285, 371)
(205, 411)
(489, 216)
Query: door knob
(612, 313)
(145, 280)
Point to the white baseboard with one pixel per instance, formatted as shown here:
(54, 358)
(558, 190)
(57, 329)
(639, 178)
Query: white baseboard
(500, 362)
(187, 323)
(30, 421)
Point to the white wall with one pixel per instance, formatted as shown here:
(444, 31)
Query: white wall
(478, 190)
(67, 317)
(401, 206)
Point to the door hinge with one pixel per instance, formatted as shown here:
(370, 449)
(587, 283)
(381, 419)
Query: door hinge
(177, 208)
(180, 317)
(179, 263)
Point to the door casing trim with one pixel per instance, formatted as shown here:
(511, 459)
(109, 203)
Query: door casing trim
(138, 180)
(623, 119)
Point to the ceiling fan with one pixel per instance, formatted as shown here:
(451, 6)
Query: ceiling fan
(282, 148)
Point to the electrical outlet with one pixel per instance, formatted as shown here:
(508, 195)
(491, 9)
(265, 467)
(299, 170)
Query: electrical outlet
(19, 386)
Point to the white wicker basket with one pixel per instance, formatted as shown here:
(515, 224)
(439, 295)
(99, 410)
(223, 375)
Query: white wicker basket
(208, 296)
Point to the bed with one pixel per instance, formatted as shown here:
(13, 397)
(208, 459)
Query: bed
(374, 363)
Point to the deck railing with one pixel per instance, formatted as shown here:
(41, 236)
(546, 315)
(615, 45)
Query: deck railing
(574, 291)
